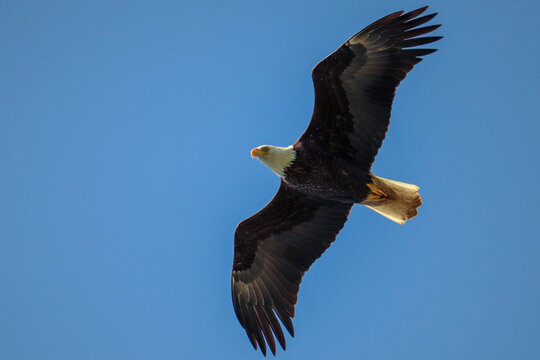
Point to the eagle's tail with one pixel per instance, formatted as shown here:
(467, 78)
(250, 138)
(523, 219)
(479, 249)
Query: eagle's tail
(393, 199)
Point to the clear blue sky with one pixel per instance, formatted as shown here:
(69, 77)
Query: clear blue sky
(125, 131)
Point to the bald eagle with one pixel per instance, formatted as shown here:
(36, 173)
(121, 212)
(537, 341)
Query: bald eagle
(325, 173)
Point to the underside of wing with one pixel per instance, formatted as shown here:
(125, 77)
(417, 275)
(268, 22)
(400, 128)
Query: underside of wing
(355, 86)
(272, 251)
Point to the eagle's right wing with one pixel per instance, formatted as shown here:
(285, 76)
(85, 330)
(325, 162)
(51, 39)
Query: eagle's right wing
(272, 251)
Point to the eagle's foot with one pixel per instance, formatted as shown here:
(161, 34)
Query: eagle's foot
(376, 194)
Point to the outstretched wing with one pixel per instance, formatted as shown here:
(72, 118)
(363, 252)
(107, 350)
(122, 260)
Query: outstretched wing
(355, 86)
(272, 251)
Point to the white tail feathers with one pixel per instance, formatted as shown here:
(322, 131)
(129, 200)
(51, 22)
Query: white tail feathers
(393, 199)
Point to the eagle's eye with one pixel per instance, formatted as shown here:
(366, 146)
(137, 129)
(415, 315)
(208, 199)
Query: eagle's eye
(265, 149)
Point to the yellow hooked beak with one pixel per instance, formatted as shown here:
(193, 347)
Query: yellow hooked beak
(255, 152)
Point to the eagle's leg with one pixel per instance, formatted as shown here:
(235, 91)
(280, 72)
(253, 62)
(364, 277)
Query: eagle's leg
(376, 194)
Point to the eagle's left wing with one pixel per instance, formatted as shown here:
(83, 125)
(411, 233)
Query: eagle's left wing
(356, 84)
(272, 251)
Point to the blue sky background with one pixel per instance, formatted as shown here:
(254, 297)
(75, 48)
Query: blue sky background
(125, 131)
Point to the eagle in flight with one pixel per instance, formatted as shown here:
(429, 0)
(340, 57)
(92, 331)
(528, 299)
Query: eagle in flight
(326, 172)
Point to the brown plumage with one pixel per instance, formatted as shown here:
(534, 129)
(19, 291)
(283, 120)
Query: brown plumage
(328, 173)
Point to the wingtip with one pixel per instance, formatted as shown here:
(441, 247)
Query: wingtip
(262, 346)
(415, 13)
(252, 341)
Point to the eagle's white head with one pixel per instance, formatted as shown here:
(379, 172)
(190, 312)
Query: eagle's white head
(276, 158)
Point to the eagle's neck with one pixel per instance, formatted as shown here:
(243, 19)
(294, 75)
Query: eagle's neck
(279, 159)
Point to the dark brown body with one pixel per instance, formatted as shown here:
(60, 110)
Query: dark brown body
(328, 177)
